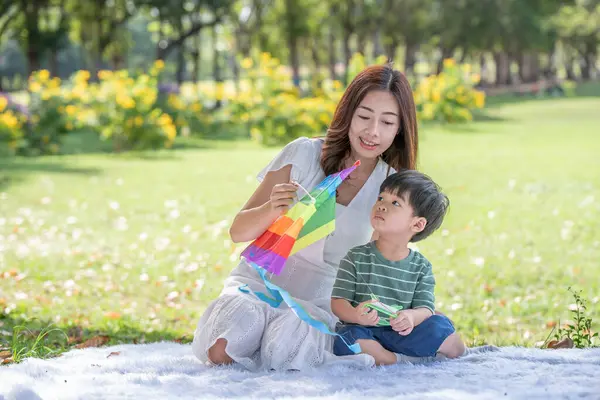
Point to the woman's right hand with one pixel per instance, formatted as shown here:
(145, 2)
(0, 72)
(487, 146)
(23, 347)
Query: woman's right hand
(282, 197)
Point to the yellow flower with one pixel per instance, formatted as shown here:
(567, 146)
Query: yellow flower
(104, 74)
(83, 75)
(125, 101)
(479, 99)
(139, 120)
(10, 120)
(70, 109)
(171, 131)
(196, 107)
(247, 63)
(3, 103)
(44, 75)
(46, 139)
(46, 95)
(475, 78)
(34, 86)
(165, 119)
(69, 126)
(159, 64)
(255, 133)
(467, 68)
(265, 57)
(436, 96)
(449, 63)
(428, 111)
(54, 83)
(219, 91)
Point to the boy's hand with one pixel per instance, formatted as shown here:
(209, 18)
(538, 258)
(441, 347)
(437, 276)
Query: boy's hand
(404, 322)
(366, 316)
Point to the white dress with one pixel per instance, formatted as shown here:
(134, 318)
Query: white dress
(262, 337)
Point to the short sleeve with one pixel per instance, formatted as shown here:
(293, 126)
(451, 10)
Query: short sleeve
(345, 282)
(300, 154)
(424, 296)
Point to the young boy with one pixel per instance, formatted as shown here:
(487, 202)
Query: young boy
(410, 207)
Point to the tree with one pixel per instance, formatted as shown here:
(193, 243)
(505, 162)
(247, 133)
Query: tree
(578, 27)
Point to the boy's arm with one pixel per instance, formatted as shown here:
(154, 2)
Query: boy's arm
(344, 310)
(419, 314)
(423, 303)
(344, 289)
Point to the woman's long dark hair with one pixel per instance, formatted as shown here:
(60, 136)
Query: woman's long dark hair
(402, 154)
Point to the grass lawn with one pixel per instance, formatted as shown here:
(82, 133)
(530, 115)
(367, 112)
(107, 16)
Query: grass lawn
(135, 246)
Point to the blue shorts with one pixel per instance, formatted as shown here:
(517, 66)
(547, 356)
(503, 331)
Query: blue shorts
(424, 340)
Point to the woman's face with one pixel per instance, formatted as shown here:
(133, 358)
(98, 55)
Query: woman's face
(374, 125)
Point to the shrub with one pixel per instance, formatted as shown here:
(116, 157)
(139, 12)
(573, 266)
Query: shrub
(11, 125)
(273, 109)
(449, 96)
(127, 111)
(50, 115)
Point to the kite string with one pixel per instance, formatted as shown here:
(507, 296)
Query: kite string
(312, 199)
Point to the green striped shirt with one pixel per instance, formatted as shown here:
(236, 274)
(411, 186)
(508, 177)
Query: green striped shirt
(364, 270)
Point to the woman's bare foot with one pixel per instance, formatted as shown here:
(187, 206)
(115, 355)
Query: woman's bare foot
(217, 354)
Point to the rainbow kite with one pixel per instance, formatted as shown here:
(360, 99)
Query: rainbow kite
(309, 220)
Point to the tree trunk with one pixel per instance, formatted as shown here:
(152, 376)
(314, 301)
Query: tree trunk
(529, 67)
(361, 45)
(588, 59)
(53, 62)
(180, 73)
(410, 58)
(391, 49)
(316, 55)
(483, 67)
(217, 73)
(331, 50)
(33, 36)
(97, 50)
(377, 47)
(523, 64)
(535, 67)
(586, 70)
(347, 53)
(446, 53)
(196, 59)
(502, 68)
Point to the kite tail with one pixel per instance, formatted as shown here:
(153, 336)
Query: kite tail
(279, 295)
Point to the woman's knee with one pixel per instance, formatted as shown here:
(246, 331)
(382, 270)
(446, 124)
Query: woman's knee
(217, 354)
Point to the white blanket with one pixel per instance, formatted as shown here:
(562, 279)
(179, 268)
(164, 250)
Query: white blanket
(169, 370)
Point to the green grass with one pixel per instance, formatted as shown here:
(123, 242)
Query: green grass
(135, 246)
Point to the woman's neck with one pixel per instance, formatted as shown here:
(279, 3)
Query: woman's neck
(367, 165)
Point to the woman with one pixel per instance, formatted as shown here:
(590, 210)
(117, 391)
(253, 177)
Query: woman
(375, 122)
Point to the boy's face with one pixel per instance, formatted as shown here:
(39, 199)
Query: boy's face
(394, 216)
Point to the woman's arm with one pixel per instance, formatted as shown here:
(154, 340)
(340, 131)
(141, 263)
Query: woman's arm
(272, 198)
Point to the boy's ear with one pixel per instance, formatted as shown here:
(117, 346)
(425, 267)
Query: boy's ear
(419, 223)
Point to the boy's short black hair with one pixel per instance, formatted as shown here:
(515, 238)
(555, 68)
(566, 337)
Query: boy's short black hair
(424, 196)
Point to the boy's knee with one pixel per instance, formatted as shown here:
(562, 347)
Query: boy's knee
(217, 354)
(453, 346)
